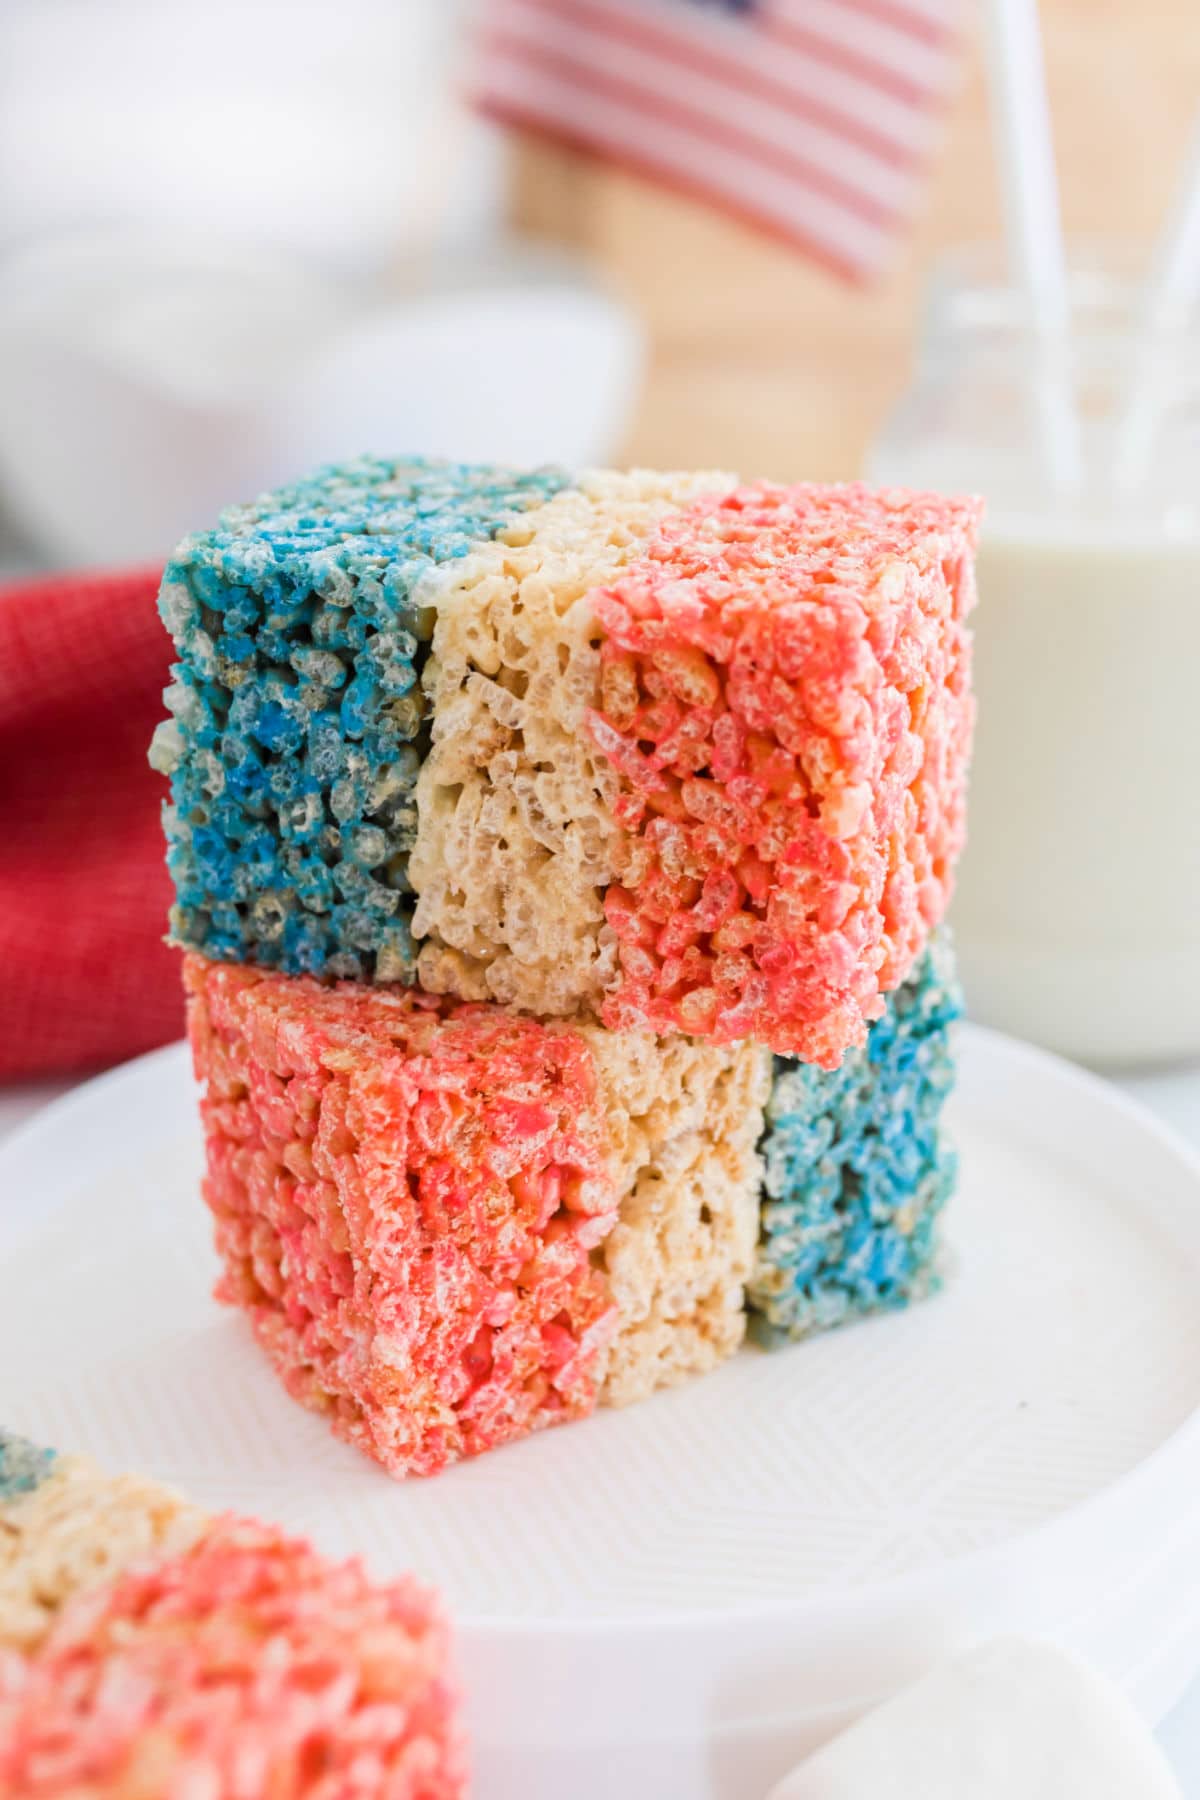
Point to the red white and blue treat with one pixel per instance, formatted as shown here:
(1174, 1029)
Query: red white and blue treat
(857, 1166)
(451, 1225)
(150, 1652)
(664, 750)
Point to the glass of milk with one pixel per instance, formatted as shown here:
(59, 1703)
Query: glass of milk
(1078, 905)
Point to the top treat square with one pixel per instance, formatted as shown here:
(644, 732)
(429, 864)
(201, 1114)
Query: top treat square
(682, 754)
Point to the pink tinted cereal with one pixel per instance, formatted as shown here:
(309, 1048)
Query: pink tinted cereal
(407, 1192)
(785, 688)
(244, 1668)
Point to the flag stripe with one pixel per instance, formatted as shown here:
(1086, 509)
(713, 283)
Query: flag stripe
(794, 84)
(869, 28)
(860, 87)
(587, 75)
(609, 121)
(929, 23)
(520, 116)
(809, 118)
(812, 153)
(898, 65)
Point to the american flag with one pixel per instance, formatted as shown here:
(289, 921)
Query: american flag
(810, 118)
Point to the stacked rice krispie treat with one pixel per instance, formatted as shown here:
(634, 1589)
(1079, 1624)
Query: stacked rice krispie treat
(147, 1649)
(560, 862)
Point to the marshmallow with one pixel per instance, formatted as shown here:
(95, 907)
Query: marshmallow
(1012, 1720)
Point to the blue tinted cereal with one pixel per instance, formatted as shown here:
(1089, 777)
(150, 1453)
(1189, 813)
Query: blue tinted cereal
(299, 721)
(23, 1466)
(857, 1168)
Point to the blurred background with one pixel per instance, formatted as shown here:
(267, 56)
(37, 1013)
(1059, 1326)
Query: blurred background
(759, 359)
(346, 140)
(241, 239)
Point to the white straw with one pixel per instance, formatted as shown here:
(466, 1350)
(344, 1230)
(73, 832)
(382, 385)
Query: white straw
(1029, 191)
(1174, 282)
(1171, 292)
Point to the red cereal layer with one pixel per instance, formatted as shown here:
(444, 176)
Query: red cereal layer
(246, 1668)
(406, 1192)
(785, 688)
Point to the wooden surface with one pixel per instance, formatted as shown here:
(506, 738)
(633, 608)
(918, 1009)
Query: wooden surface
(766, 363)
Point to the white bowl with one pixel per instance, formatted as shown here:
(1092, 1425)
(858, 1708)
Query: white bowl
(149, 381)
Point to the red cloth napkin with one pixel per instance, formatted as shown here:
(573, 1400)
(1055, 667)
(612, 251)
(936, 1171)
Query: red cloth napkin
(85, 977)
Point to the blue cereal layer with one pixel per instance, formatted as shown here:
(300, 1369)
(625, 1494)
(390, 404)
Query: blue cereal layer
(857, 1168)
(23, 1466)
(298, 724)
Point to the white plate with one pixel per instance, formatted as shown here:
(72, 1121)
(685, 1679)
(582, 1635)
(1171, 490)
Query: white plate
(678, 1599)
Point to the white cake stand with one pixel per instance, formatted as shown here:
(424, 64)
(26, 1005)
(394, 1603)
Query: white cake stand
(678, 1600)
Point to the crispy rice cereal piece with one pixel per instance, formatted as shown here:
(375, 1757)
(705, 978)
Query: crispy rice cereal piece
(451, 1225)
(23, 1466)
(785, 688)
(240, 1668)
(517, 839)
(65, 1526)
(858, 1168)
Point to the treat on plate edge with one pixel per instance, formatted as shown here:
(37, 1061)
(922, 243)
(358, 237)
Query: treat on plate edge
(147, 1648)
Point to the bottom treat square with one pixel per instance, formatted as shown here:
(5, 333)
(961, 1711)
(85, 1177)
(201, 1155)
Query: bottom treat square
(451, 1225)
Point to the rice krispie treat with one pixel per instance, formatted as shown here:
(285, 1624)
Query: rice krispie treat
(451, 1225)
(857, 1167)
(661, 749)
(66, 1526)
(147, 1650)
